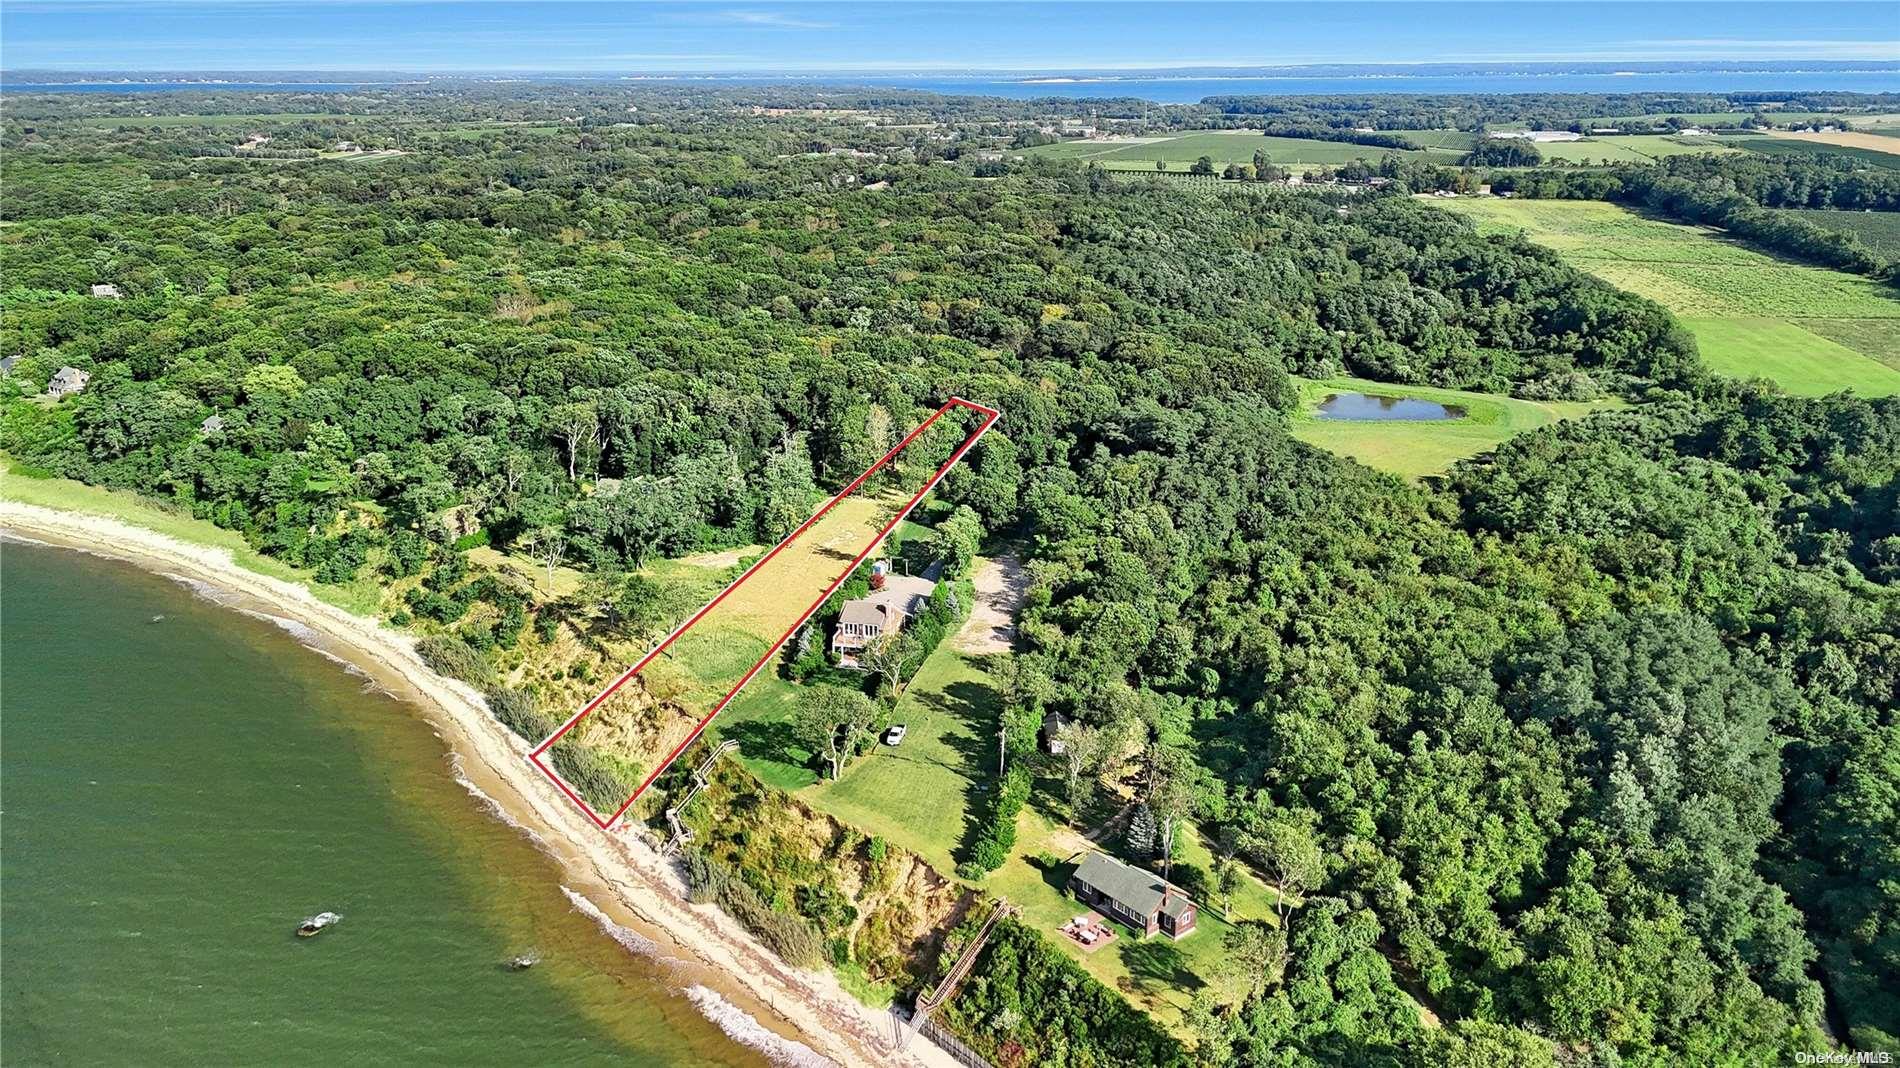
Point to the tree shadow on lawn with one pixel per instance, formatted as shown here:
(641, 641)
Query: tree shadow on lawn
(1156, 964)
(769, 741)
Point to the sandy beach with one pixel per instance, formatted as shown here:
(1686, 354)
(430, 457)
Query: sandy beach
(796, 1017)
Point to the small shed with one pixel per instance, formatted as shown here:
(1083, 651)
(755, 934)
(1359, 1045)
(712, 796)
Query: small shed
(1050, 734)
(213, 424)
(105, 289)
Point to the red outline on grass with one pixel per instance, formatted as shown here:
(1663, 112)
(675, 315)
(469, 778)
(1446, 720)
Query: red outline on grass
(991, 414)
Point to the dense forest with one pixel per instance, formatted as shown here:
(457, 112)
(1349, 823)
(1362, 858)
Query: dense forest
(1589, 747)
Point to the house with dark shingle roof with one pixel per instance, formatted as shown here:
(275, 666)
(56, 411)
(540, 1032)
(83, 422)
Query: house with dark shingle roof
(896, 600)
(1131, 896)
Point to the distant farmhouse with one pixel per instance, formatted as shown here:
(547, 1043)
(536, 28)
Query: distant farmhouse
(104, 289)
(67, 380)
(893, 600)
(1132, 896)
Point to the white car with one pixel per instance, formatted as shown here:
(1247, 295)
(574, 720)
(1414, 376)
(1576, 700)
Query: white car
(895, 734)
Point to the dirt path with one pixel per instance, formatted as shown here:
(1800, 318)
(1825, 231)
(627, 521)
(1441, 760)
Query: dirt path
(1001, 583)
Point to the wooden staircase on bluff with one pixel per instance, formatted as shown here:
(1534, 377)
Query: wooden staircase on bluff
(959, 971)
(683, 834)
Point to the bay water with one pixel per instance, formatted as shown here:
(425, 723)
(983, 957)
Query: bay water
(181, 784)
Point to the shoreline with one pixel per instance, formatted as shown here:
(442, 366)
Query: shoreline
(806, 1017)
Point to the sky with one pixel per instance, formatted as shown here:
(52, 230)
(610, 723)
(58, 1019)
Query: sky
(712, 36)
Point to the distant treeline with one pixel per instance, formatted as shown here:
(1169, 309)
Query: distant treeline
(1405, 111)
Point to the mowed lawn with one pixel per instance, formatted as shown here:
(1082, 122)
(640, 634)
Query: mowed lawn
(1415, 448)
(1808, 329)
(920, 794)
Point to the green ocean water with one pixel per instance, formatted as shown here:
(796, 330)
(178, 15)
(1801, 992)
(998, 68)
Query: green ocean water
(176, 795)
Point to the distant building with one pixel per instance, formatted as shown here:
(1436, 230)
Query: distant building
(347, 146)
(67, 380)
(1539, 136)
(1132, 896)
(212, 425)
(6, 365)
(884, 611)
(105, 289)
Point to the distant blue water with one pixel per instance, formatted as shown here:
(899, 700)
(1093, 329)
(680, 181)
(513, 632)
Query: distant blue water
(1158, 90)
(1193, 90)
(182, 87)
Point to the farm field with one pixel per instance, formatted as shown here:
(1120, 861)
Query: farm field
(1416, 448)
(1869, 142)
(1752, 314)
(1878, 230)
(1773, 145)
(1631, 148)
(1224, 147)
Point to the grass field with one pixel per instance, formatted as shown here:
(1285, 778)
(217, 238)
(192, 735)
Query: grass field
(1459, 141)
(1224, 147)
(1632, 148)
(708, 660)
(1415, 448)
(1809, 329)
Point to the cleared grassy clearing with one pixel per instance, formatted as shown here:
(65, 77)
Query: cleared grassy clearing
(1158, 975)
(645, 720)
(920, 794)
(1809, 329)
(1224, 147)
(1415, 448)
(1460, 141)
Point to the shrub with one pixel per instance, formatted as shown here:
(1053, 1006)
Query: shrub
(593, 776)
(988, 852)
(448, 655)
(519, 712)
(790, 936)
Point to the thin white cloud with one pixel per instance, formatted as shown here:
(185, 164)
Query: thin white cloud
(774, 19)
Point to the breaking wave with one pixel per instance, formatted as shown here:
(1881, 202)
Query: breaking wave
(742, 1028)
(634, 941)
(495, 808)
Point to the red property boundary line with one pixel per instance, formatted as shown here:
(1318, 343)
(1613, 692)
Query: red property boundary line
(991, 415)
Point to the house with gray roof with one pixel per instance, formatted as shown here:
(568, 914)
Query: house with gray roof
(893, 600)
(67, 380)
(1128, 895)
(106, 290)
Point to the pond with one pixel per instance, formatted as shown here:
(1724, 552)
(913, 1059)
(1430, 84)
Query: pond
(1368, 406)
